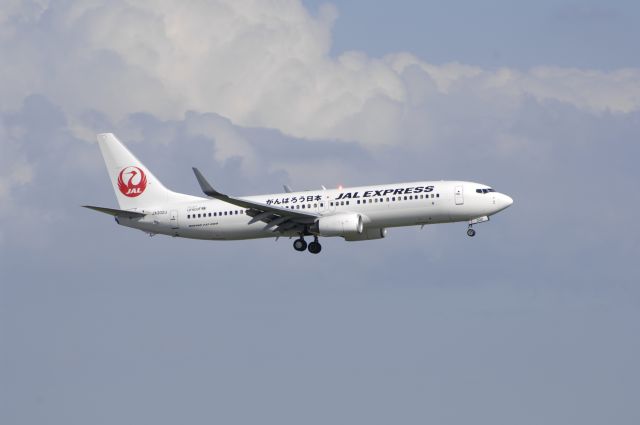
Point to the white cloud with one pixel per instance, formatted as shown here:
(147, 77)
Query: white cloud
(261, 64)
(229, 142)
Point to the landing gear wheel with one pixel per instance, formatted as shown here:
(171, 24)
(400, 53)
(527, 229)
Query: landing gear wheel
(300, 245)
(471, 233)
(315, 247)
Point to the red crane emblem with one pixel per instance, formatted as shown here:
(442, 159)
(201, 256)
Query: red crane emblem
(136, 184)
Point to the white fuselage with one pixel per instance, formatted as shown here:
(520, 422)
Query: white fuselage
(391, 205)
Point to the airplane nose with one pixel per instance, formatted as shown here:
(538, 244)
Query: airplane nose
(508, 201)
(502, 201)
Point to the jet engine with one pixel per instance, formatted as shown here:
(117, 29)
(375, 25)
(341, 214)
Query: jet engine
(339, 225)
(367, 235)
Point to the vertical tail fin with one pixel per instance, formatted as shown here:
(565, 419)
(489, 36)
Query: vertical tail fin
(135, 186)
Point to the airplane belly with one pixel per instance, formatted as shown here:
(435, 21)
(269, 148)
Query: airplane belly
(391, 218)
(201, 230)
(409, 216)
(241, 230)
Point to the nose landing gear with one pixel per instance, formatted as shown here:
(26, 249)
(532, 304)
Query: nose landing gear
(470, 232)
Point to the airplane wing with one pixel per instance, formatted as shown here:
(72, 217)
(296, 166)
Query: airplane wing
(116, 213)
(277, 218)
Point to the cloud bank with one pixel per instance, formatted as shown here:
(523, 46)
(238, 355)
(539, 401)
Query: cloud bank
(244, 76)
(260, 64)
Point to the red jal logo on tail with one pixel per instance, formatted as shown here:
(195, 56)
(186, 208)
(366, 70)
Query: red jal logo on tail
(135, 184)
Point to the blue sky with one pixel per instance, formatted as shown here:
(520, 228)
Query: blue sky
(535, 320)
(495, 33)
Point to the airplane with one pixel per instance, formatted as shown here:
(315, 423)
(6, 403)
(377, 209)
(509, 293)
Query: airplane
(355, 213)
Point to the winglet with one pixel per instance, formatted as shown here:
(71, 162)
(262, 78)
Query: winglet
(205, 186)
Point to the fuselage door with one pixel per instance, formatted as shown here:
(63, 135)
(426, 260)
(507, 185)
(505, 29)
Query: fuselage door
(173, 219)
(327, 208)
(459, 196)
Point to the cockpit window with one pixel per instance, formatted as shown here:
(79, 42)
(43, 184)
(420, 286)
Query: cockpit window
(484, 190)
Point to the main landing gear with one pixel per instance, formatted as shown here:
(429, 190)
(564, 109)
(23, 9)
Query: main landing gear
(301, 245)
(315, 247)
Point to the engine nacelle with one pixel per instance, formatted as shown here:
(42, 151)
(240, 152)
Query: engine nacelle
(339, 225)
(367, 235)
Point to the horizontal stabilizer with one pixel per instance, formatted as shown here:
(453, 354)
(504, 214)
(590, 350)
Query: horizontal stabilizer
(116, 213)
